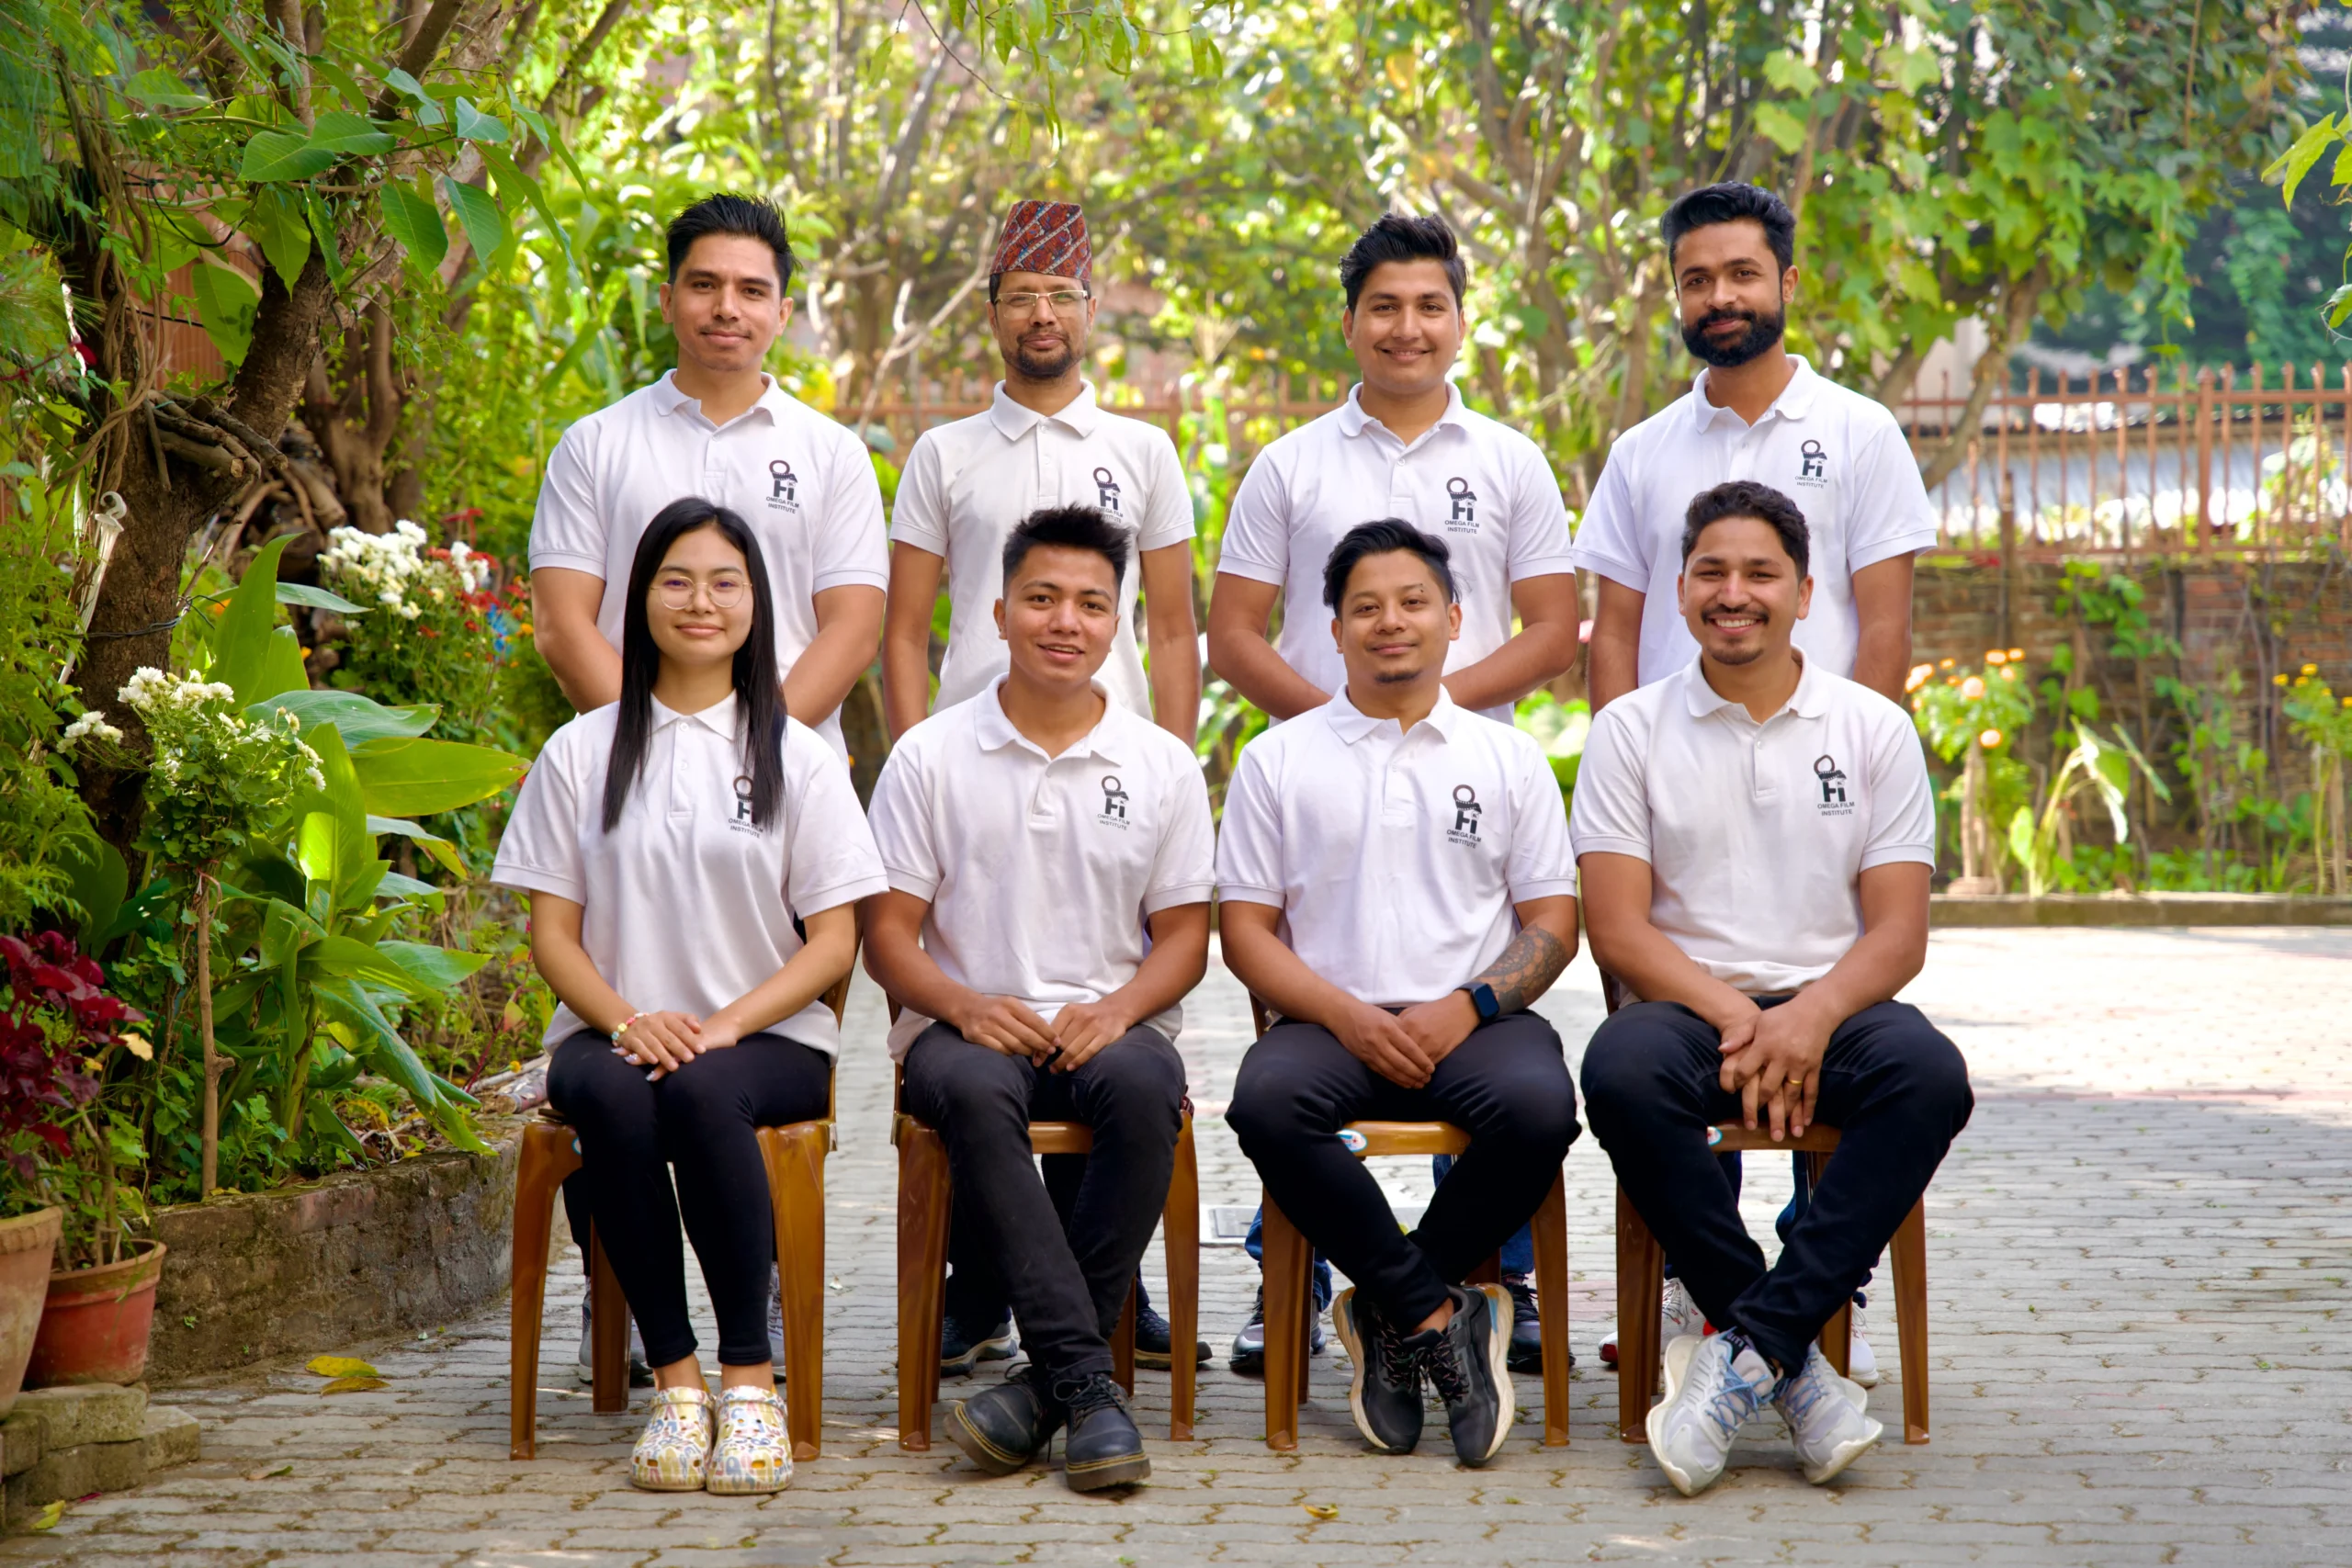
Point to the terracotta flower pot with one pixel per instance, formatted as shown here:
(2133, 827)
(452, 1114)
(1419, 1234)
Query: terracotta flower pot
(27, 1244)
(96, 1326)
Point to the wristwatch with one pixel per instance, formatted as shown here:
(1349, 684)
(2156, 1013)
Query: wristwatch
(1482, 997)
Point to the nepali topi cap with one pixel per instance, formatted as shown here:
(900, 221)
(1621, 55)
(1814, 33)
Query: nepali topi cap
(1048, 237)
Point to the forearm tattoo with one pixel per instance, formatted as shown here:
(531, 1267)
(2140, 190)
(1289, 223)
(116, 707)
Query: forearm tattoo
(1526, 968)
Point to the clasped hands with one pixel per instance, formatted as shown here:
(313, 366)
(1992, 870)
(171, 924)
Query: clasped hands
(1772, 1060)
(1078, 1031)
(1406, 1047)
(668, 1041)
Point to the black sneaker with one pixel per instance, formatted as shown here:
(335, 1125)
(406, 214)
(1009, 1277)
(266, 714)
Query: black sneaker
(962, 1349)
(1526, 1326)
(1249, 1345)
(1155, 1341)
(1003, 1427)
(1100, 1447)
(1385, 1384)
(1466, 1364)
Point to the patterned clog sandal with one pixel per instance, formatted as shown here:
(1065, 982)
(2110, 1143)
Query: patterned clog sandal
(672, 1454)
(754, 1453)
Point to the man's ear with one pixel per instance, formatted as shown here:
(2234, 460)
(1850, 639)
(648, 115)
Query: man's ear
(664, 296)
(999, 612)
(1682, 600)
(1453, 620)
(1788, 284)
(1804, 597)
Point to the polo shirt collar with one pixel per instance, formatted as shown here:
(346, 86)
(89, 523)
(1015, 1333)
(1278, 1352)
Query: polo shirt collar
(1351, 725)
(994, 731)
(1353, 421)
(1810, 700)
(667, 400)
(1795, 400)
(719, 719)
(1012, 421)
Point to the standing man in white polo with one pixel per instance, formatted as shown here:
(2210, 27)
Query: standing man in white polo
(1395, 883)
(1755, 836)
(1050, 860)
(1755, 412)
(717, 427)
(1043, 442)
(1403, 446)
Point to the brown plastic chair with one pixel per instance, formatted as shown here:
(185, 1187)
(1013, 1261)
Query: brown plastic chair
(794, 1157)
(1289, 1256)
(926, 1195)
(1641, 1281)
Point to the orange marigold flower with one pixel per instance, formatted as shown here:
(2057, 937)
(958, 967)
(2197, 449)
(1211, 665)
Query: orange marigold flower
(1989, 740)
(1973, 688)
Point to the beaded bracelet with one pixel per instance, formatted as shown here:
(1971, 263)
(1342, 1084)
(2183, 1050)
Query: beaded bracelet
(624, 1028)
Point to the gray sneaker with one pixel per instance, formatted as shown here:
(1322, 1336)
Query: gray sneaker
(1825, 1415)
(640, 1374)
(775, 1320)
(1712, 1386)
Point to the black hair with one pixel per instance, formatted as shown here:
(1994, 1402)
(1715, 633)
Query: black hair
(1396, 237)
(760, 717)
(1070, 527)
(1380, 538)
(745, 215)
(1730, 202)
(1746, 498)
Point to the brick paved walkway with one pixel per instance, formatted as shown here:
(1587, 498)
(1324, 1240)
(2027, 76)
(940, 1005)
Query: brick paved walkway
(2136, 1258)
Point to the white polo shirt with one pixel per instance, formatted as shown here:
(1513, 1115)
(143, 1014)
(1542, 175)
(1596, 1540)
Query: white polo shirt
(1396, 858)
(686, 905)
(967, 483)
(1838, 455)
(1477, 484)
(1757, 834)
(1040, 872)
(803, 483)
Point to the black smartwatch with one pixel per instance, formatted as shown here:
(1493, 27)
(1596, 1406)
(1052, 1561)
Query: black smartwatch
(1482, 997)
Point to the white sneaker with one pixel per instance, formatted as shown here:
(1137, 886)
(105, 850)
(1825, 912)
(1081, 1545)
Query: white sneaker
(1709, 1397)
(1861, 1362)
(640, 1374)
(1678, 1315)
(1825, 1415)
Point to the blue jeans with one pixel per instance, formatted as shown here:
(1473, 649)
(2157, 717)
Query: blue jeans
(1254, 1243)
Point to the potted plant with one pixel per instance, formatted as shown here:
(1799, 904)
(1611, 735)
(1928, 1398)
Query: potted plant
(58, 1027)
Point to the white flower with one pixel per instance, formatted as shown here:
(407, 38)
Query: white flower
(91, 723)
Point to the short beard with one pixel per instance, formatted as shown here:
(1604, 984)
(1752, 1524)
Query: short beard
(1030, 367)
(1396, 677)
(1763, 332)
(1738, 656)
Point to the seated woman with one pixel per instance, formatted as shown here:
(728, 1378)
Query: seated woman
(694, 858)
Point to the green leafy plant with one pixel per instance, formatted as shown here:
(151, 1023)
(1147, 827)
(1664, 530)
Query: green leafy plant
(60, 1142)
(1974, 717)
(2096, 768)
(2322, 721)
(1560, 728)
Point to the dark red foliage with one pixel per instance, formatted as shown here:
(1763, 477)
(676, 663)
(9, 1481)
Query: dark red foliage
(40, 1078)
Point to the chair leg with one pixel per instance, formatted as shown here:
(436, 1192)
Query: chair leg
(1180, 1238)
(1909, 1256)
(1123, 1345)
(925, 1193)
(546, 1159)
(794, 1157)
(1552, 1305)
(608, 1343)
(1288, 1304)
(1640, 1263)
(1838, 1334)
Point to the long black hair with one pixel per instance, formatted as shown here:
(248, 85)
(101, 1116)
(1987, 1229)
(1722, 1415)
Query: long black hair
(759, 697)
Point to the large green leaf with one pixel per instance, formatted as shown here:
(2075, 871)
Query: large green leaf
(274, 155)
(359, 719)
(241, 639)
(355, 848)
(343, 133)
(226, 301)
(285, 931)
(472, 125)
(415, 222)
(424, 776)
(484, 224)
(443, 851)
(278, 225)
(100, 879)
(282, 670)
(377, 1044)
(431, 969)
(339, 957)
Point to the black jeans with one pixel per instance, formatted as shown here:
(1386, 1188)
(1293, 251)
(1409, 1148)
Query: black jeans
(1507, 1086)
(702, 1120)
(1066, 1284)
(1893, 1085)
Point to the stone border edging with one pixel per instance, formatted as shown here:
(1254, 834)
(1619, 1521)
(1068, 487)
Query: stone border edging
(1949, 910)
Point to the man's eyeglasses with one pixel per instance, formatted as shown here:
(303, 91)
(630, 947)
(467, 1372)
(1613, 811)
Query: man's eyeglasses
(677, 593)
(1024, 302)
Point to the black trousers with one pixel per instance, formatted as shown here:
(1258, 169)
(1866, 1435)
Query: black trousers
(1507, 1086)
(1893, 1085)
(702, 1121)
(1067, 1283)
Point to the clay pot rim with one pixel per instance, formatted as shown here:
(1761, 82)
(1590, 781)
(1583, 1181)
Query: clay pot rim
(25, 1233)
(146, 1254)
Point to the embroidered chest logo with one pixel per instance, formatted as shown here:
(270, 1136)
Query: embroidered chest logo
(741, 821)
(1812, 464)
(1833, 802)
(1466, 811)
(1115, 802)
(1106, 491)
(784, 486)
(1462, 513)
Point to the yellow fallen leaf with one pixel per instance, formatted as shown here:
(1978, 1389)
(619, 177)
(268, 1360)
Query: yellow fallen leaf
(355, 1385)
(340, 1367)
(47, 1518)
(1323, 1510)
(269, 1474)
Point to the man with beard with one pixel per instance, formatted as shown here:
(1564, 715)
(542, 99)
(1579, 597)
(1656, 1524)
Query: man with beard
(1755, 413)
(1043, 444)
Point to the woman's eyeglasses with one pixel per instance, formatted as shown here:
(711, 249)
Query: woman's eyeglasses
(678, 592)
